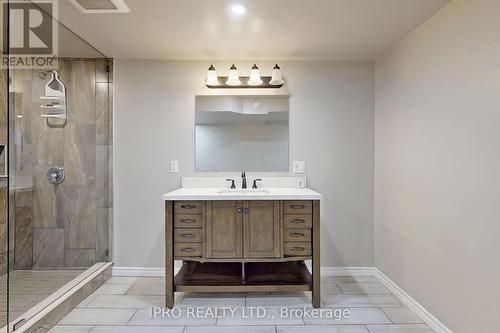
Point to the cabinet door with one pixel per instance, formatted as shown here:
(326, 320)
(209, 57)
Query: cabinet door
(261, 229)
(223, 229)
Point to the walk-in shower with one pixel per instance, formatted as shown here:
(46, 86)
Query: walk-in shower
(56, 200)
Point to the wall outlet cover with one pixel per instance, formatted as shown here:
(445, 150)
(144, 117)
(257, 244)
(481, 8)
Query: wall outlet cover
(174, 166)
(299, 166)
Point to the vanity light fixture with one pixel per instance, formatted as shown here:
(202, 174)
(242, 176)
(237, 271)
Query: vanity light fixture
(233, 80)
(255, 79)
(233, 77)
(212, 79)
(276, 78)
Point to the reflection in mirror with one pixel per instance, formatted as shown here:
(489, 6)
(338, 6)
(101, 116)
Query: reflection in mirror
(241, 133)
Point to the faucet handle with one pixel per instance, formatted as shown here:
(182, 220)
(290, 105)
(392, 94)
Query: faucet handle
(232, 182)
(255, 182)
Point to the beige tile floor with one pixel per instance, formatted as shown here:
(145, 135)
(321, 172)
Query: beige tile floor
(28, 288)
(123, 305)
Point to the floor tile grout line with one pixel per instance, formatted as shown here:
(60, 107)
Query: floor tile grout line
(385, 314)
(132, 316)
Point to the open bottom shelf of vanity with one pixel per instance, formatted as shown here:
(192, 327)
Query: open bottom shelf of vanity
(292, 276)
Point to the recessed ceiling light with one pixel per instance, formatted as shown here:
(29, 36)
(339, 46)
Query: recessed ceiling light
(239, 9)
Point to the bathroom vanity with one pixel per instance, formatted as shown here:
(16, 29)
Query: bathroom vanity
(234, 240)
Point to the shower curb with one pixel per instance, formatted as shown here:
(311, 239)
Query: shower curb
(70, 297)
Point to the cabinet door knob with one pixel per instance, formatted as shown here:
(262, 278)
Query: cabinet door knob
(239, 210)
(297, 234)
(297, 248)
(246, 210)
(297, 221)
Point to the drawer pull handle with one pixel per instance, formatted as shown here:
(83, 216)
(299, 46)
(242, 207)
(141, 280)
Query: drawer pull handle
(297, 234)
(188, 235)
(297, 221)
(297, 206)
(188, 221)
(298, 248)
(188, 206)
(188, 249)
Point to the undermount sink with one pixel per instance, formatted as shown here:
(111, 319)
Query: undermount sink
(249, 190)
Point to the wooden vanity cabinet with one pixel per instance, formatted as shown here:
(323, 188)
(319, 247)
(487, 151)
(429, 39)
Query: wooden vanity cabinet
(242, 229)
(242, 246)
(261, 229)
(223, 224)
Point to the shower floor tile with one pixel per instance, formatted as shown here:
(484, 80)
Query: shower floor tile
(28, 288)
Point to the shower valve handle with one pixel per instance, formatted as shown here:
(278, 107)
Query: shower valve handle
(55, 175)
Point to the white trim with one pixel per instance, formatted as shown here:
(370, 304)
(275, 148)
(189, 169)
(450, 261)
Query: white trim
(347, 271)
(411, 303)
(405, 298)
(139, 271)
(160, 271)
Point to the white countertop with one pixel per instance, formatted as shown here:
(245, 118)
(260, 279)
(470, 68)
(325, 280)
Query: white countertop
(190, 193)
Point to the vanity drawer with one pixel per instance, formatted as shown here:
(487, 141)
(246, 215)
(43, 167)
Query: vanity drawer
(187, 221)
(297, 235)
(188, 207)
(187, 249)
(187, 235)
(297, 207)
(297, 248)
(295, 221)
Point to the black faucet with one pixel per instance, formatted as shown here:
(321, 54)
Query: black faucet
(243, 180)
(232, 182)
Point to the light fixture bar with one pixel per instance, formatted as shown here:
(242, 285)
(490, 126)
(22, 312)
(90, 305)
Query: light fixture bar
(233, 80)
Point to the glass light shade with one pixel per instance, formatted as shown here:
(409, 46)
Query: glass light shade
(255, 79)
(276, 78)
(212, 79)
(233, 79)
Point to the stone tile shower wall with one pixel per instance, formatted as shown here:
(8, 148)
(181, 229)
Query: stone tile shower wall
(66, 225)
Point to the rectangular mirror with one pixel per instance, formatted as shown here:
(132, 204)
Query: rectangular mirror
(241, 133)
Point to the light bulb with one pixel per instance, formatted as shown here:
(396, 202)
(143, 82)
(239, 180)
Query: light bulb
(233, 78)
(212, 79)
(239, 9)
(255, 79)
(276, 78)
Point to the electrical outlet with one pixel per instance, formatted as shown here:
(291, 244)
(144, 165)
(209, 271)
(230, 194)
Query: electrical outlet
(299, 166)
(174, 166)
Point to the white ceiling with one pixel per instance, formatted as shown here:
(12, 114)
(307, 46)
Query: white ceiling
(271, 29)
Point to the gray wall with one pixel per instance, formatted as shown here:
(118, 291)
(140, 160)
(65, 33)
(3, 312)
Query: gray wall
(437, 163)
(331, 128)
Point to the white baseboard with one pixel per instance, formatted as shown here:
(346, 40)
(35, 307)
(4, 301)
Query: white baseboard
(406, 299)
(139, 271)
(160, 271)
(347, 271)
(411, 303)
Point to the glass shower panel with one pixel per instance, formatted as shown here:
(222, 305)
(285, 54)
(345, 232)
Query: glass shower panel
(58, 192)
(4, 230)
